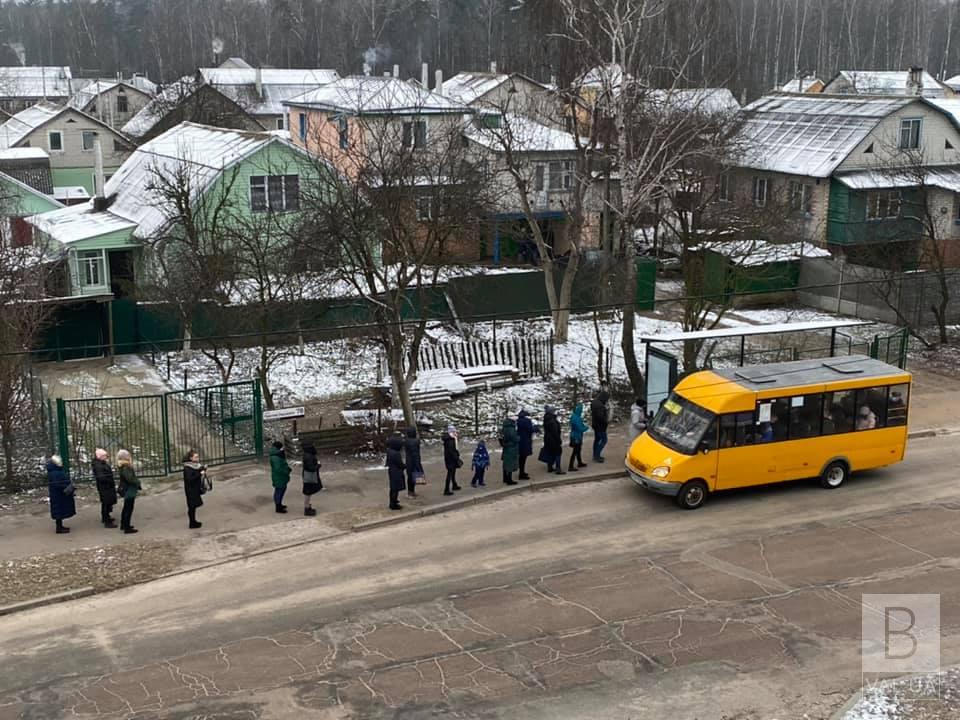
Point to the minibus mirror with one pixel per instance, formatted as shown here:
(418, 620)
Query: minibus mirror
(704, 447)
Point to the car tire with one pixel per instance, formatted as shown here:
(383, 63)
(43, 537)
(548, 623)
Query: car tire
(834, 475)
(692, 495)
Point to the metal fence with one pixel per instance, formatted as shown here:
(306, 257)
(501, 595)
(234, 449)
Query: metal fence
(532, 356)
(222, 422)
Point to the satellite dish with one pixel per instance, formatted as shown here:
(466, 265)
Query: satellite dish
(217, 46)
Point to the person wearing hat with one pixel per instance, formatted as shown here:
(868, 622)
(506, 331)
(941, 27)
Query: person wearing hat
(62, 504)
(510, 442)
(451, 460)
(552, 453)
(526, 429)
(279, 475)
(395, 470)
(106, 486)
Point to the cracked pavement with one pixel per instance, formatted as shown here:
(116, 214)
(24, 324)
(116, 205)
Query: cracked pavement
(595, 601)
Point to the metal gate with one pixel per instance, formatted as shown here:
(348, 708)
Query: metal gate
(891, 349)
(221, 422)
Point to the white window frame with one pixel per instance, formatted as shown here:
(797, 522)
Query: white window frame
(424, 208)
(343, 132)
(91, 261)
(414, 125)
(761, 188)
(59, 134)
(126, 101)
(263, 181)
(559, 175)
(913, 127)
(801, 197)
(879, 206)
(281, 125)
(93, 140)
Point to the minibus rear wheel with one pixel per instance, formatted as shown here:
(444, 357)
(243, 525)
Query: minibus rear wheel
(834, 475)
(692, 495)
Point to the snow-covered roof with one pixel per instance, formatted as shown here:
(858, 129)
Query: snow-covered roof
(25, 122)
(365, 95)
(773, 329)
(947, 178)
(71, 192)
(23, 153)
(887, 82)
(35, 81)
(707, 101)
(809, 134)
(84, 97)
(602, 76)
(235, 62)
(801, 85)
(523, 135)
(277, 85)
(753, 253)
(155, 110)
(207, 151)
(468, 87)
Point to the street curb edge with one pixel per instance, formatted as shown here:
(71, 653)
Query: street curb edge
(46, 600)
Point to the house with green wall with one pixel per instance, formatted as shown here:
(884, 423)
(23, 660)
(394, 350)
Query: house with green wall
(103, 243)
(851, 169)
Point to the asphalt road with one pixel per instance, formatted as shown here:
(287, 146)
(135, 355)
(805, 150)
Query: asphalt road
(596, 601)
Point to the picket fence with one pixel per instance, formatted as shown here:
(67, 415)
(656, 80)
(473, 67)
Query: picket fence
(531, 356)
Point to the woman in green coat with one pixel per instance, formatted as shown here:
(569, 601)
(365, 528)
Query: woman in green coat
(510, 440)
(129, 489)
(279, 475)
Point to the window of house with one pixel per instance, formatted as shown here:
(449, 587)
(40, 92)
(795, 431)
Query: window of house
(88, 139)
(424, 208)
(415, 134)
(910, 133)
(280, 123)
(274, 193)
(561, 174)
(724, 188)
(947, 145)
(869, 149)
(883, 204)
(302, 125)
(55, 141)
(759, 191)
(538, 175)
(122, 105)
(800, 197)
(118, 145)
(343, 130)
(90, 267)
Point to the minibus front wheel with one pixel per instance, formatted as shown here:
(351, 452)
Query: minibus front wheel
(835, 475)
(692, 495)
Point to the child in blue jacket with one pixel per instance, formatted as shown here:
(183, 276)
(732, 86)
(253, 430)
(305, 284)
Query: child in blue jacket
(481, 461)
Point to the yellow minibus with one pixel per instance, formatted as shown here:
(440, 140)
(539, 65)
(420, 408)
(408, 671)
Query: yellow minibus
(735, 428)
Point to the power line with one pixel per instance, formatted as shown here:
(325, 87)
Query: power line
(479, 317)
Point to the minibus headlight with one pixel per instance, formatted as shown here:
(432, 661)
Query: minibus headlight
(661, 471)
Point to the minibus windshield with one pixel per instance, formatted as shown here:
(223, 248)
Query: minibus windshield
(680, 424)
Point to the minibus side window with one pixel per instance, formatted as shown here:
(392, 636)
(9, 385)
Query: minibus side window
(871, 408)
(838, 412)
(805, 413)
(897, 398)
(772, 421)
(710, 437)
(736, 430)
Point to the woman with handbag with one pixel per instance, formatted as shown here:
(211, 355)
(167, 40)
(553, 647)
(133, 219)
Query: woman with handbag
(62, 503)
(195, 484)
(311, 478)
(129, 489)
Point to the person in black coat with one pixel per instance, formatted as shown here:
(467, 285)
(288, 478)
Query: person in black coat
(600, 419)
(106, 486)
(62, 504)
(552, 441)
(525, 430)
(451, 460)
(311, 478)
(411, 451)
(395, 468)
(193, 480)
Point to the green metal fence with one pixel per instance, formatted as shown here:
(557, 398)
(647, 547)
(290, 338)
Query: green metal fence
(891, 349)
(223, 423)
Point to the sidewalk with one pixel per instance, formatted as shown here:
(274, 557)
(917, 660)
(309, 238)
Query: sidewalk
(239, 517)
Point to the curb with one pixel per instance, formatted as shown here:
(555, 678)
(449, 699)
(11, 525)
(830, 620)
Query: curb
(489, 496)
(46, 600)
(916, 434)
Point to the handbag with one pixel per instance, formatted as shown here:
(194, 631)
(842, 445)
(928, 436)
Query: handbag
(311, 477)
(206, 484)
(544, 456)
(70, 489)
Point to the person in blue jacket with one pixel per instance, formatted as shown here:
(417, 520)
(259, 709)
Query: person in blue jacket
(62, 503)
(481, 461)
(577, 430)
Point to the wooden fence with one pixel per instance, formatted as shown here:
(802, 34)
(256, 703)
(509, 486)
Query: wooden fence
(531, 356)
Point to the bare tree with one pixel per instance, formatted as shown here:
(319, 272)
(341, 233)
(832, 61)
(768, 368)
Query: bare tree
(25, 272)
(396, 211)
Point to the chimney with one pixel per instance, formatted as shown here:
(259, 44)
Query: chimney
(396, 71)
(915, 81)
(259, 81)
(493, 67)
(438, 82)
(99, 196)
(425, 76)
(386, 73)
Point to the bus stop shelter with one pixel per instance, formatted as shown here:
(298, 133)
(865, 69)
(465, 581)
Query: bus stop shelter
(662, 367)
